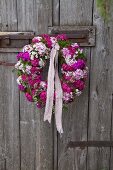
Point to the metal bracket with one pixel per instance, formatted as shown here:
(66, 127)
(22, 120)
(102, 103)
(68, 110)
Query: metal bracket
(84, 35)
(83, 144)
(14, 41)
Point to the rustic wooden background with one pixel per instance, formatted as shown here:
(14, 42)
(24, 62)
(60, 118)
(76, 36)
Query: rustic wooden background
(26, 142)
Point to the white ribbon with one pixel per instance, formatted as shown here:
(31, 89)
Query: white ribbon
(54, 84)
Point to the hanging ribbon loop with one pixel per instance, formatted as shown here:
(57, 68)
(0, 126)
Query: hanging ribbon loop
(54, 84)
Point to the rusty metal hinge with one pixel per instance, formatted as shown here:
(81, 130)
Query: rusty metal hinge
(83, 144)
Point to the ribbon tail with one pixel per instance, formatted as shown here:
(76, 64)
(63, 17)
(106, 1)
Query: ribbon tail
(50, 88)
(58, 101)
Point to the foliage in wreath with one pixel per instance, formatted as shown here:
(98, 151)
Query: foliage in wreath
(33, 59)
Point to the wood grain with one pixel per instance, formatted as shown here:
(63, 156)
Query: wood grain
(9, 103)
(36, 135)
(75, 120)
(100, 104)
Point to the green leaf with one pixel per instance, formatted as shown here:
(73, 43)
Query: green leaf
(65, 108)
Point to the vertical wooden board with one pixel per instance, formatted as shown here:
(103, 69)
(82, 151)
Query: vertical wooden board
(101, 82)
(8, 15)
(77, 12)
(9, 106)
(75, 120)
(56, 12)
(36, 135)
(111, 52)
(9, 103)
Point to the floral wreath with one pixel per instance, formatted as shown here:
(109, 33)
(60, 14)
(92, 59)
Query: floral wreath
(64, 57)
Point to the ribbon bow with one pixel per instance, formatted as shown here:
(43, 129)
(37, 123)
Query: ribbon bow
(54, 84)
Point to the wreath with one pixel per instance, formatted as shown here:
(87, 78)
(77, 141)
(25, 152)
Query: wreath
(65, 59)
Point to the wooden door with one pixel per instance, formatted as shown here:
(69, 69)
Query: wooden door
(28, 143)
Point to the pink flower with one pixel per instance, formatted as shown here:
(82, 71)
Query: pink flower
(21, 87)
(79, 74)
(66, 67)
(43, 96)
(66, 88)
(35, 62)
(29, 97)
(79, 84)
(67, 97)
(35, 70)
(36, 39)
(80, 64)
(65, 51)
(24, 77)
(71, 50)
(75, 45)
(62, 37)
(39, 105)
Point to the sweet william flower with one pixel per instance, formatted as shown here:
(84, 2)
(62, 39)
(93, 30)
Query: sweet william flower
(66, 67)
(19, 55)
(80, 64)
(43, 96)
(66, 88)
(36, 39)
(35, 62)
(79, 74)
(39, 105)
(21, 87)
(79, 84)
(61, 37)
(29, 97)
(26, 56)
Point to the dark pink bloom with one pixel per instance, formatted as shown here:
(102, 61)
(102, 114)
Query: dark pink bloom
(24, 77)
(80, 64)
(29, 97)
(21, 87)
(35, 62)
(67, 77)
(35, 70)
(66, 67)
(26, 56)
(39, 105)
(71, 50)
(43, 96)
(66, 88)
(49, 43)
(19, 55)
(79, 84)
(61, 37)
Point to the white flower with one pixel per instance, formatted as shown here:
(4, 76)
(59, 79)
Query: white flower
(41, 63)
(33, 54)
(43, 85)
(40, 47)
(21, 67)
(32, 57)
(17, 64)
(53, 40)
(75, 45)
(27, 48)
(19, 80)
(67, 96)
(37, 38)
(28, 68)
(78, 92)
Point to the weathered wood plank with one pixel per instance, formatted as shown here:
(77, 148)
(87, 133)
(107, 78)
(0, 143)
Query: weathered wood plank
(75, 12)
(101, 82)
(9, 103)
(56, 12)
(36, 135)
(9, 106)
(75, 120)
